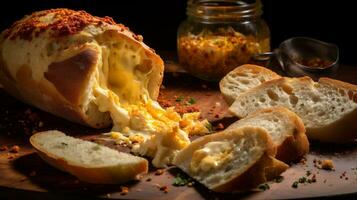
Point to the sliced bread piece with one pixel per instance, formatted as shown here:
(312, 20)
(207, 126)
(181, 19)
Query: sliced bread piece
(88, 161)
(233, 160)
(285, 128)
(243, 78)
(328, 108)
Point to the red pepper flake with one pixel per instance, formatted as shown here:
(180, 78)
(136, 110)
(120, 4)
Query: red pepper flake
(164, 188)
(220, 126)
(4, 148)
(216, 116)
(124, 190)
(159, 172)
(33, 173)
(15, 149)
(10, 157)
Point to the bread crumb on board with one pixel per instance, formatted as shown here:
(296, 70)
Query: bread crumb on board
(327, 164)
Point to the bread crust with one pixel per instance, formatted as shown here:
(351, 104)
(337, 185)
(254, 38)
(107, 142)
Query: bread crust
(295, 145)
(255, 69)
(98, 175)
(57, 78)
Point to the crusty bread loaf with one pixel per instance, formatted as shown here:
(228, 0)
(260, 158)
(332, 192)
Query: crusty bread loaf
(88, 161)
(328, 108)
(285, 128)
(52, 59)
(232, 160)
(244, 78)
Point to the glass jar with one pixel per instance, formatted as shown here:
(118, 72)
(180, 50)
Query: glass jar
(220, 35)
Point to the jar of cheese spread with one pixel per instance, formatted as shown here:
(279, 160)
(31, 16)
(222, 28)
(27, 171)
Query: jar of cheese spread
(220, 35)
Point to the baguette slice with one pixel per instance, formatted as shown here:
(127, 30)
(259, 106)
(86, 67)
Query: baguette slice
(285, 128)
(86, 160)
(244, 78)
(233, 160)
(328, 108)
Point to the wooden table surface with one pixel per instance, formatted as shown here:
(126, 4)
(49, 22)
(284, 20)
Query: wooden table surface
(25, 175)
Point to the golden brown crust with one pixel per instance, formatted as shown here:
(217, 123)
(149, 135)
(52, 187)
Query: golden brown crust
(262, 171)
(296, 144)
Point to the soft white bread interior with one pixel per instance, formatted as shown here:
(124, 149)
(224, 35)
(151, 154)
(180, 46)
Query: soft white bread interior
(88, 161)
(328, 108)
(243, 78)
(233, 160)
(54, 60)
(285, 128)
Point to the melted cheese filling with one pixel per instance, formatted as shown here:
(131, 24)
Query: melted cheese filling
(120, 89)
(212, 156)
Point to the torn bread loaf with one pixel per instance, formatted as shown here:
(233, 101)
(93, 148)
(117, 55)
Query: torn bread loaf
(93, 71)
(242, 79)
(285, 128)
(232, 160)
(55, 59)
(88, 161)
(328, 107)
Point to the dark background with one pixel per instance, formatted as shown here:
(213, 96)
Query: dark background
(157, 20)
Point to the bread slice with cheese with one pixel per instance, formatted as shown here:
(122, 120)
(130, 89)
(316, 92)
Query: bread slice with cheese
(285, 128)
(328, 107)
(233, 160)
(244, 78)
(88, 161)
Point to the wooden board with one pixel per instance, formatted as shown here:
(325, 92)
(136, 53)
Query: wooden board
(25, 175)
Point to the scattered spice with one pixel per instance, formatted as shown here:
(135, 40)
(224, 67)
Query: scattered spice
(179, 99)
(308, 173)
(159, 172)
(279, 179)
(191, 101)
(148, 179)
(295, 184)
(15, 149)
(182, 180)
(264, 187)
(164, 189)
(315, 62)
(124, 190)
(219, 126)
(4, 148)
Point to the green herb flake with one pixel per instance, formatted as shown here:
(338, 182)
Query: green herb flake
(295, 184)
(209, 127)
(191, 101)
(181, 180)
(64, 144)
(179, 99)
(279, 179)
(308, 173)
(264, 187)
(302, 180)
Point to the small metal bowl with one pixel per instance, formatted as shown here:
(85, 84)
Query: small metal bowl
(293, 50)
(299, 48)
